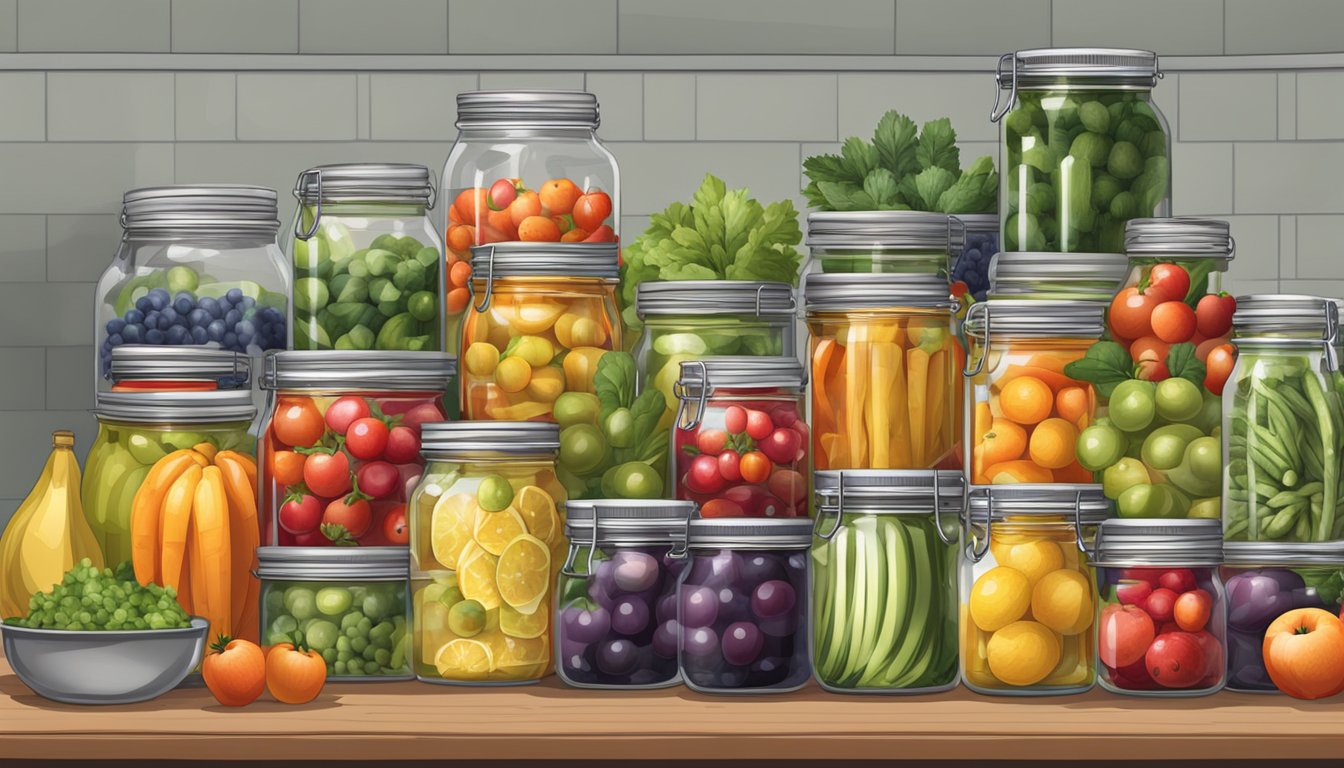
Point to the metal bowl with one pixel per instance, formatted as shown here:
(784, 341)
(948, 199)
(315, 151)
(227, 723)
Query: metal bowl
(104, 667)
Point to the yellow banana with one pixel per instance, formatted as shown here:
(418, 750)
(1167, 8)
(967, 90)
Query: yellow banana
(174, 518)
(146, 509)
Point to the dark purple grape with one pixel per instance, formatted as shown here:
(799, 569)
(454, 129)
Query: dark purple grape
(230, 340)
(756, 567)
(577, 658)
(780, 626)
(158, 298)
(585, 626)
(154, 336)
(733, 606)
(646, 676)
(598, 594)
(232, 317)
(714, 571)
(617, 657)
(234, 295)
(699, 607)
(1245, 662)
(132, 334)
(215, 330)
(665, 639)
(143, 304)
(199, 317)
(176, 335)
(630, 616)
(114, 340)
(667, 608)
(741, 643)
(773, 598)
(135, 316)
(798, 562)
(634, 571)
(1307, 597)
(701, 641)
(1255, 599)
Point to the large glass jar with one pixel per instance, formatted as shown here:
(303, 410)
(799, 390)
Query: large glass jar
(742, 606)
(1025, 411)
(1028, 600)
(886, 372)
(347, 604)
(367, 261)
(340, 447)
(137, 429)
(884, 580)
(487, 541)
(1083, 147)
(616, 597)
(1162, 630)
(197, 265)
(882, 241)
(970, 264)
(741, 440)
(143, 368)
(1283, 423)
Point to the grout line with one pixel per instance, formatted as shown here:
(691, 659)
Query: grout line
(46, 106)
(1224, 27)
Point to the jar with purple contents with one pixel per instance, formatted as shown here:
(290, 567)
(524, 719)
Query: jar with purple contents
(616, 617)
(970, 265)
(741, 606)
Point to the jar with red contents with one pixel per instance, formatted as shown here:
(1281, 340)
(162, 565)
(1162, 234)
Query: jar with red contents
(143, 368)
(741, 439)
(340, 448)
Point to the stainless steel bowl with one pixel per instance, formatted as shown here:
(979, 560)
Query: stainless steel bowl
(107, 667)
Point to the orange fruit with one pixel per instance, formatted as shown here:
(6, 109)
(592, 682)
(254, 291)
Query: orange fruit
(1053, 443)
(559, 196)
(1072, 404)
(1004, 441)
(1026, 400)
(538, 229)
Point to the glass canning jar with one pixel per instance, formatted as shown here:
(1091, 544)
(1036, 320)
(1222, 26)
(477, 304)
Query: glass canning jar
(197, 265)
(1283, 423)
(1028, 597)
(882, 241)
(1083, 148)
(742, 606)
(1027, 275)
(487, 540)
(616, 596)
(340, 443)
(1025, 412)
(144, 368)
(367, 261)
(741, 440)
(884, 580)
(886, 371)
(347, 604)
(970, 263)
(1204, 248)
(1163, 624)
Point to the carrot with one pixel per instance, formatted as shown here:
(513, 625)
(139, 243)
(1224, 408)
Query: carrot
(882, 362)
(244, 535)
(917, 399)
(856, 392)
(207, 450)
(936, 416)
(248, 464)
(211, 546)
(825, 355)
(898, 393)
(833, 451)
(174, 520)
(145, 511)
(184, 596)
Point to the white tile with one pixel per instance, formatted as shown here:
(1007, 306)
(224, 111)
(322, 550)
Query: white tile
(664, 173)
(23, 248)
(965, 98)
(293, 107)
(24, 117)
(1283, 26)
(80, 247)
(1201, 179)
(1170, 27)
(28, 442)
(1330, 289)
(620, 95)
(669, 107)
(1167, 101)
(386, 26)
(1287, 247)
(1257, 239)
(757, 26)
(66, 310)
(9, 25)
(944, 27)
(236, 26)
(1239, 287)
(1210, 113)
(79, 178)
(1318, 239)
(23, 380)
(555, 26)
(1288, 106)
(112, 106)
(69, 378)
(1289, 177)
(509, 81)
(422, 106)
(765, 107)
(633, 226)
(1320, 105)
(205, 105)
(124, 26)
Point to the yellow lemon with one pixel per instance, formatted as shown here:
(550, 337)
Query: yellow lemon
(494, 530)
(537, 509)
(523, 573)
(481, 358)
(536, 351)
(450, 527)
(1033, 557)
(998, 598)
(476, 576)
(522, 625)
(536, 316)
(464, 659)
(1062, 601)
(513, 374)
(1022, 653)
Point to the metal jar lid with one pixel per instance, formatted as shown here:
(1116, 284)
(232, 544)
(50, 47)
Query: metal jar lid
(366, 182)
(713, 297)
(333, 563)
(889, 491)
(1052, 318)
(463, 440)
(843, 291)
(362, 370)
(1246, 554)
(518, 259)
(146, 362)
(215, 207)
(979, 223)
(1086, 502)
(885, 231)
(1047, 66)
(145, 407)
(1129, 543)
(1188, 237)
(749, 533)
(742, 372)
(525, 109)
(627, 521)
(1088, 275)
(1285, 313)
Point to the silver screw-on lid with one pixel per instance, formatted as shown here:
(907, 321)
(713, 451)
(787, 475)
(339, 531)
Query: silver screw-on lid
(888, 491)
(1133, 542)
(141, 407)
(334, 563)
(1047, 66)
(215, 207)
(358, 182)
(749, 533)
(1084, 275)
(457, 440)
(519, 259)
(146, 362)
(358, 370)
(1061, 500)
(838, 291)
(742, 371)
(885, 230)
(713, 297)
(523, 109)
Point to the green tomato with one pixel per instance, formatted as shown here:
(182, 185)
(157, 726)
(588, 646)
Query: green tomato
(284, 624)
(333, 601)
(423, 306)
(450, 596)
(1123, 475)
(1133, 405)
(467, 618)
(144, 449)
(1178, 399)
(1100, 446)
(1163, 450)
(572, 408)
(1210, 416)
(1208, 509)
(1159, 501)
(321, 635)
(620, 428)
(182, 278)
(1204, 456)
(181, 440)
(494, 494)
(636, 480)
(582, 449)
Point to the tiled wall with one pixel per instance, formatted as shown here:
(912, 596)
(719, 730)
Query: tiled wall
(99, 96)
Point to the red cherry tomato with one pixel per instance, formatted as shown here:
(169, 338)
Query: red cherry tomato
(703, 476)
(313, 538)
(301, 515)
(1176, 660)
(297, 422)
(1203, 348)
(1169, 281)
(735, 419)
(502, 193)
(759, 424)
(403, 445)
(729, 466)
(721, 508)
(346, 411)
(1153, 370)
(378, 479)
(591, 210)
(1193, 610)
(1173, 322)
(755, 467)
(1131, 313)
(1213, 314)
(1160, 604)
(1218, 367)
(421, 414)
(711, 441)
(1133, 594)
(367, 438)
(355, 516)
(1178, 580)
(781, 445)
(395, 528)
(327, 474)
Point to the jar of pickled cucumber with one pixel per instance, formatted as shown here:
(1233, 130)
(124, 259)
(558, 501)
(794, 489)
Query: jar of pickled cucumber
(487, 539)
(1028, 597)
(347, 604)
(143, 368)
(367, 260)
(1029, 275)
(886, 371)
(1084, 149)
(884, 580)
(882, 241)
(617, 593)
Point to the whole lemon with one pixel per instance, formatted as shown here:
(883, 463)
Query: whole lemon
(1062, 601)
(1022, 653)
(999, 597)
(1033, 557)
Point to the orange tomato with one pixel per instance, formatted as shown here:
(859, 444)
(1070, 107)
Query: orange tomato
(501, 221)
(294, 676)
(1004, 441)
(591, 209)
(1304, 653)
(459, 274)
(1052, 443)
(1131, 313)
(538, 229)
(297, 422)
(1203, 348)
(1020, 471)
(1193, 609)
(287, 467)
(1026, 400)
(574, 236)
(559, 196)
(234, 671)
(1071, 403)
(470, 204)
(526, 204)
(461, 237)
(1173, 322)
(603, 234)
(457, 300)
(755, 467)
(1149, 348)
(1218, 367)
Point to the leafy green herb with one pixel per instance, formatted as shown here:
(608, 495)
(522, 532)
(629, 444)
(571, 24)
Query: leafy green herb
(1105, 365)
(1328, 588)
(1182, 363)
(614, 383)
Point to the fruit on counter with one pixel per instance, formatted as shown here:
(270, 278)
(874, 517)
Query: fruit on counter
(729, 235)
(295, 673)
(745, 459)
(48, 534)
(1158, 630)
(1304, 653)
(357, 629)
(194, 528)
(234, 671)
(88, 597)
(1258, 596)
(1027, 421)
(1078, 167)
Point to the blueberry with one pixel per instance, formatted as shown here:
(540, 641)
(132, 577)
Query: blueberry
(249, 302)
(151, 319)
(132, 334)
(158, 298)
(107, 347)
(144, 304)
(115, 325)
(154, 336)
(167, 318)
(246, 326)
(176, 335)
(211, 306)
(234, 295)
(134, 317)
(115, 340)
(183, 305)
(231, 319)
(215, 330)
(230, 340)
(197, 317)
(199, 335)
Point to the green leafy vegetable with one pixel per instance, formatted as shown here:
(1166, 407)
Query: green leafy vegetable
(1105, 365)
(1182, 363)
(614, 382)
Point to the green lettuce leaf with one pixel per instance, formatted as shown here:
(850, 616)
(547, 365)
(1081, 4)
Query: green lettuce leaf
(938, 146)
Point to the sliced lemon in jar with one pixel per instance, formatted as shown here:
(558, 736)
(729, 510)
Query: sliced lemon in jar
(494, 530)
(510, 653)
(476, 576)
(450, 527)
(464, 659)
(522, 625)
(523, 573)
(537, 509)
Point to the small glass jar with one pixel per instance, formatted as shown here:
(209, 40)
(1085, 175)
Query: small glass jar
(970, 264)
(1028, 598)
(741, 440)
(616, 609)
(348, 605)
(1024, 275)
(882, 242)
(1282, 422)
(340, 447)
(742, 606)
(1163, 624)
(197, 265)
(142, 368)
(886, 372)
(1025, 411)
(137, 429)
(487, 540)
(367, 260)
(1083, 148)
(884, 580)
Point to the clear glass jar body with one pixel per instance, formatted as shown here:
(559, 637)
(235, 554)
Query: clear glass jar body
(884, 605)
(360, 626)
(482, 581)
(370, 277)
(308, 470)
(918, 261)
(721, 466)
(1168, 645)
(743, 618)
(1256, 596)
(233, 286)
(616, 625)
(886, 389)
(1014, 642)
(1078, 161)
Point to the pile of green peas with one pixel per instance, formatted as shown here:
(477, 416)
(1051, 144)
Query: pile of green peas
(360, 629)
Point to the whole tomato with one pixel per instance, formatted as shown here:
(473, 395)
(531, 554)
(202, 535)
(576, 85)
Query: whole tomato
(367, 438)
(395, 528)
(378, 479)
(759, 424)
(301, 513)
(287, 467)
(704, 476)
(294, 675)
(1193, 610)
(1173, 322)
(1123, 635)
(327, 474)
(1304, 653)
(421, 414)
(1169, 281)
(711, 441)
(1218, 366)
(403, 445)
(344, 412)
(297, 422)
(1213, 314)
(591, 209)
(1131, 313)
(234, 671)
(352, 513)
(1176, 660)
(730, 466)
(755, 467)
(721, 508)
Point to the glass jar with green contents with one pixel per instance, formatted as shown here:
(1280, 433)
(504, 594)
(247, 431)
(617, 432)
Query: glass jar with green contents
(1084, 148)
(135, 430)
(882, 241)
(367, 260)
(1053, 276)
(347, 604)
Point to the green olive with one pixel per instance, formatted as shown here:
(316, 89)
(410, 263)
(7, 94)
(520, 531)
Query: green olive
(572, 408)
(467, 618)
(1100, 446)
(1133, 405)
(494, 493)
